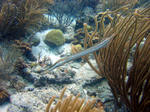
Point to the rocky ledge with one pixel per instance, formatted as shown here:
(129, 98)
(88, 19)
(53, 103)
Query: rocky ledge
(76, 77)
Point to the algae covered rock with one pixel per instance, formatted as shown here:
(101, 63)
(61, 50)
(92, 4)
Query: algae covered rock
(76, 48)
(54, 38)
(35, 42)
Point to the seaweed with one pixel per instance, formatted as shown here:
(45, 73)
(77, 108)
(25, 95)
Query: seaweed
(19, 17)
(8, 58)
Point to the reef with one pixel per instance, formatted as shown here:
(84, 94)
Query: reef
(103, 56)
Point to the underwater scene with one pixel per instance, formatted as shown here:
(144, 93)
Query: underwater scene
(74, 55)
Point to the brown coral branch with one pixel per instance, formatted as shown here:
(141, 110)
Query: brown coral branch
(73, 104)
(128, 85)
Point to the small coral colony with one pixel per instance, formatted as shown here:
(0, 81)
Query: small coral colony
(113, 33)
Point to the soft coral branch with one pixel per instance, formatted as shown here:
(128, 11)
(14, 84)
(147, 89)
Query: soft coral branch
(18, 17)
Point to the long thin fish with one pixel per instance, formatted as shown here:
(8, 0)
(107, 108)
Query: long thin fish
(80, 54)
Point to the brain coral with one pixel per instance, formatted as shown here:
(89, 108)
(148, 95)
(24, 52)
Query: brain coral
(54, 38)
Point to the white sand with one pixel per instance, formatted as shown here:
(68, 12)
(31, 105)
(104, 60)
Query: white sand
(4, 107)
(45, 51)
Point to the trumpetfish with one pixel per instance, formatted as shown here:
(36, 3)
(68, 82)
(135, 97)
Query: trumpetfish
(78, 55)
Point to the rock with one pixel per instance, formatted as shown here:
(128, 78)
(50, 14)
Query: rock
(75, 65)
(101, 90)
(89, 11)
(29, 88)
(85, 72)
(99, 8)
(75, 89)
(4, 107)
(34, 101)
(14, 108)
(17, 84)
(69, 40)
(76, 48)
(37, 68)
(92, 81)
(54, 38)
(37, 100)
(76, 77)
(4, 96)
(69, 34)
(35, 42)
(30, 56)
(79, 23)
(58, 77)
